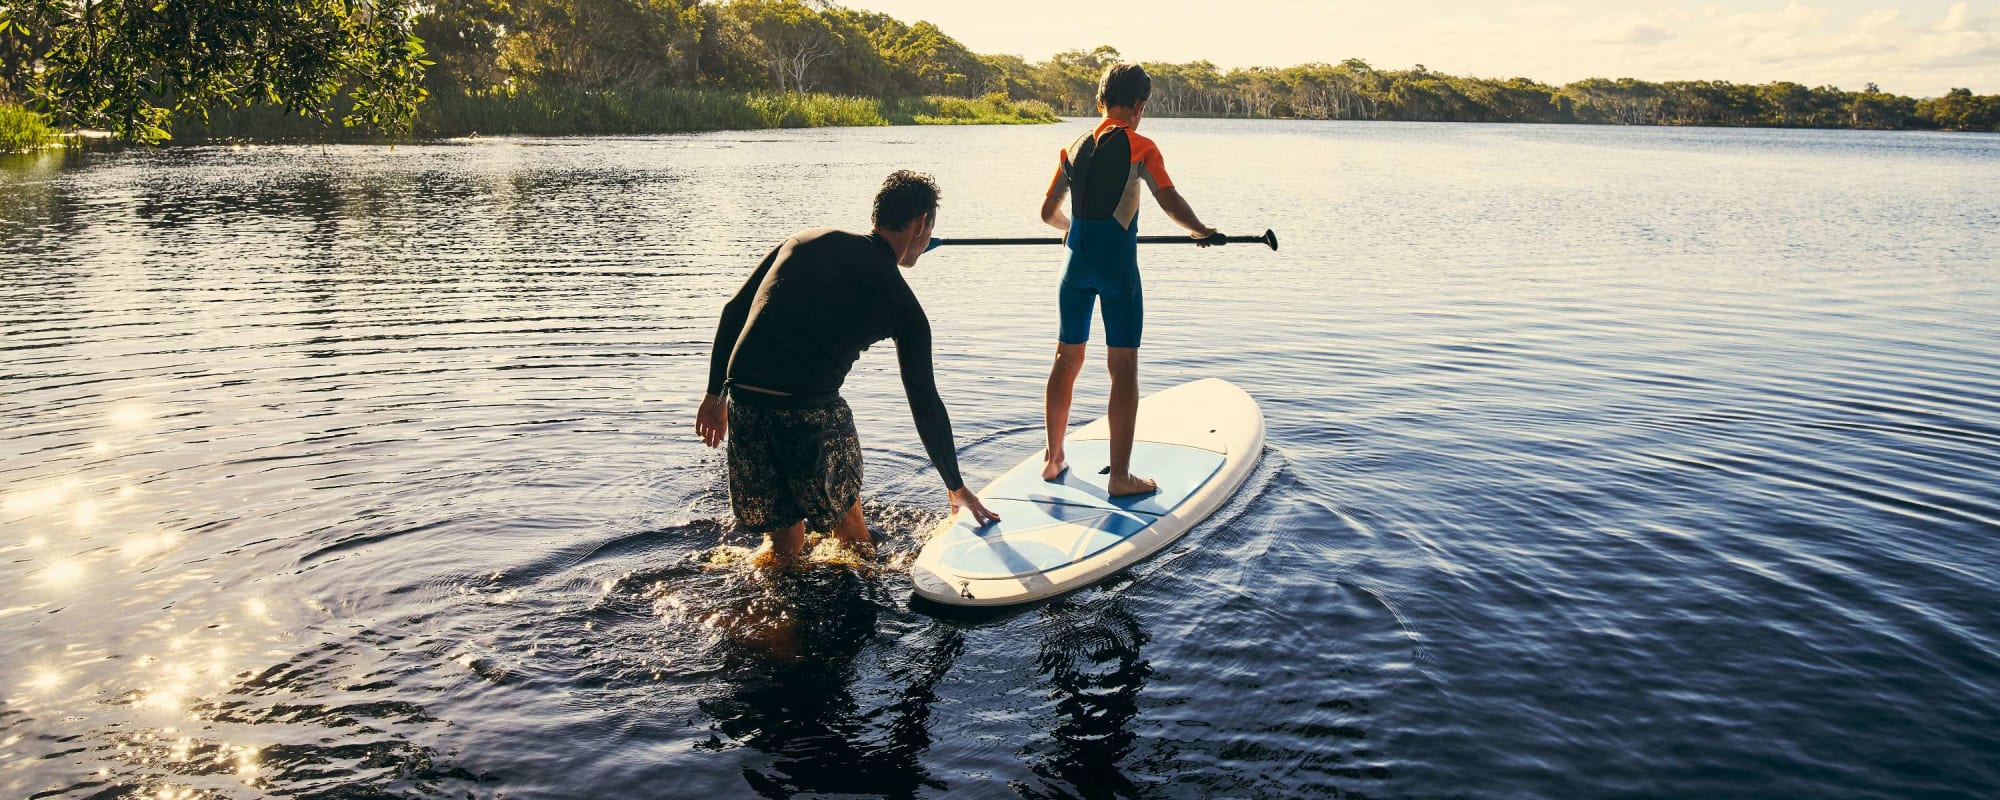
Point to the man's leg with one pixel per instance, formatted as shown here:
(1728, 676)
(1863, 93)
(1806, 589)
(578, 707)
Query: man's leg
(1056, 402)
(852, 528)
(757, 491)
(1124, 362)
(782, 547)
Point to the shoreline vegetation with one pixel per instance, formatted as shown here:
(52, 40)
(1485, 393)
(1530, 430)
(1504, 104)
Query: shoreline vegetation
(649, 110)
(22, 130)
(390, 69)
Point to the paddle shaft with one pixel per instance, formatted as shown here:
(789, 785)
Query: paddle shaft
(1269, 239)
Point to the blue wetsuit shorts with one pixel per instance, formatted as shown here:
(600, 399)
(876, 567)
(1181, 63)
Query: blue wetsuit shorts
(1103, 267)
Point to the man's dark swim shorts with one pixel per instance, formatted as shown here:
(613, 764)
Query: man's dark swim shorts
(789, 464)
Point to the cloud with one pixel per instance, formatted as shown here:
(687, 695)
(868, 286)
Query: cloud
(1794, 19)
(1958, 19)
(1798, 41)
(1878, 20)
(1636, 33)
(1963, 39)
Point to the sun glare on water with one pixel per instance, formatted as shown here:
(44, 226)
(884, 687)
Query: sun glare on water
(127, 415)
(63, 572)
(46, 679)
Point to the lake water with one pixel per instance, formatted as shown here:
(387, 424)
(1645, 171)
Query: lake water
(1602, 462)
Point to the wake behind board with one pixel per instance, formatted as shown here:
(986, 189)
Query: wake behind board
(1199, 440)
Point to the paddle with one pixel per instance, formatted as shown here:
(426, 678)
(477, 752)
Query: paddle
(1269, 239)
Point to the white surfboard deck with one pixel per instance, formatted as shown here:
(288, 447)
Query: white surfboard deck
(1199, 440)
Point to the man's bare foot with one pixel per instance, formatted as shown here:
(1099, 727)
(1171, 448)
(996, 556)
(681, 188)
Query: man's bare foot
(1128, 484)
(770, 559)
(863, 546)
(1053, 469)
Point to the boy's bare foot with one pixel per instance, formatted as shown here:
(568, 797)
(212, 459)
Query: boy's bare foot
(1128, 484)
(1053, 468)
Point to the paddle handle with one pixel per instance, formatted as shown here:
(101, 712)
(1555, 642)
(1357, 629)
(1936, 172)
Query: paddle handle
(1269, 239)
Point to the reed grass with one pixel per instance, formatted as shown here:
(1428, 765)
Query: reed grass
(555, 111)
(993, 109)
(22, 130)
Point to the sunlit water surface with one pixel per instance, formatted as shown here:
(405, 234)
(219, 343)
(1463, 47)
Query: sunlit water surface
(1602, 462)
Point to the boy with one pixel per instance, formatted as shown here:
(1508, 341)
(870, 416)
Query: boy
(1102, 171)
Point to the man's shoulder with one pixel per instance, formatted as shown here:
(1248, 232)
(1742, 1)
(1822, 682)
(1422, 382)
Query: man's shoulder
(810, 235)
(842, 250)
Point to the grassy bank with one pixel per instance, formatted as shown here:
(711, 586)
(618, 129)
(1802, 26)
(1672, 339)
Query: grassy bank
(22, 130)
(561, 112)
(993, 109)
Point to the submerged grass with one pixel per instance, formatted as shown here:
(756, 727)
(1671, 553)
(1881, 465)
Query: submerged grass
(558, 112)
(22, 130)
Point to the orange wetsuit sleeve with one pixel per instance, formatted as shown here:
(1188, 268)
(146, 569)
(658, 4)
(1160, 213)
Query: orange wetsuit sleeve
(1060, 183)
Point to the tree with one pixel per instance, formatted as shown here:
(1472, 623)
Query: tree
(599, 44)
(464, 38)
(128, 66)
(792, 36)
(1961, 110)
(934, 63)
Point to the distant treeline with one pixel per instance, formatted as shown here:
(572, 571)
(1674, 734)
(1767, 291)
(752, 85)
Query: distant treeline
(482, 57)
(790, 46)
(1354, 90)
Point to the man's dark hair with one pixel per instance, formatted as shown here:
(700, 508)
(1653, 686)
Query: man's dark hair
(1124, 85)
(906, 197)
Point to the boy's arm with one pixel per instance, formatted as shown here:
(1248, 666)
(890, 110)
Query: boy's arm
(1153, 170)
(1180, 212)
(1052, 213)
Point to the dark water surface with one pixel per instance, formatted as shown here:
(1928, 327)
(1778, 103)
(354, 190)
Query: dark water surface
(1603, 462)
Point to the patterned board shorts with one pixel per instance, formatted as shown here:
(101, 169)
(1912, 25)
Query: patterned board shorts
(791, 464)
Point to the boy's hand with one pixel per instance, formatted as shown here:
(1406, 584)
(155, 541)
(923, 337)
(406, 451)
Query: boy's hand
(1206, 237)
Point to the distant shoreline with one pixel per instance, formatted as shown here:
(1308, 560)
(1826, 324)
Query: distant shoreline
(673, 111)
(560, 112)
(573, 113)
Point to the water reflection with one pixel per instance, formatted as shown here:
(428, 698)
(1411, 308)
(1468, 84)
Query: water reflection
(1090, 655)
(795, 661)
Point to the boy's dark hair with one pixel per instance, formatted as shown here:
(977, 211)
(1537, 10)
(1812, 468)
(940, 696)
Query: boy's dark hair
(1124, 86)
(906, 197)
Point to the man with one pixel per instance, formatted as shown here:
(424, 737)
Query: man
(785, 345)
(1102, 170)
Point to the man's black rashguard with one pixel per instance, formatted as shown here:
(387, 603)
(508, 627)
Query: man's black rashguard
(802, 319)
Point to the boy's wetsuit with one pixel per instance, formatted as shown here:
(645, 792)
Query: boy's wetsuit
(1103, 169)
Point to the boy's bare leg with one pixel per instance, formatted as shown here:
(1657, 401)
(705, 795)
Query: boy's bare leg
(1056, 401)
(1124, 363)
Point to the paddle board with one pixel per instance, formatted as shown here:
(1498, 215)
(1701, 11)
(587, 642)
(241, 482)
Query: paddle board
(1198, 440)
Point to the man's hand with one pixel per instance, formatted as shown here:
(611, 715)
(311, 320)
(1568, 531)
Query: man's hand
(1202, 237)
(980, 513)
(711, 423)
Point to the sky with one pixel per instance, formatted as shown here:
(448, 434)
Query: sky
(1920, 48)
